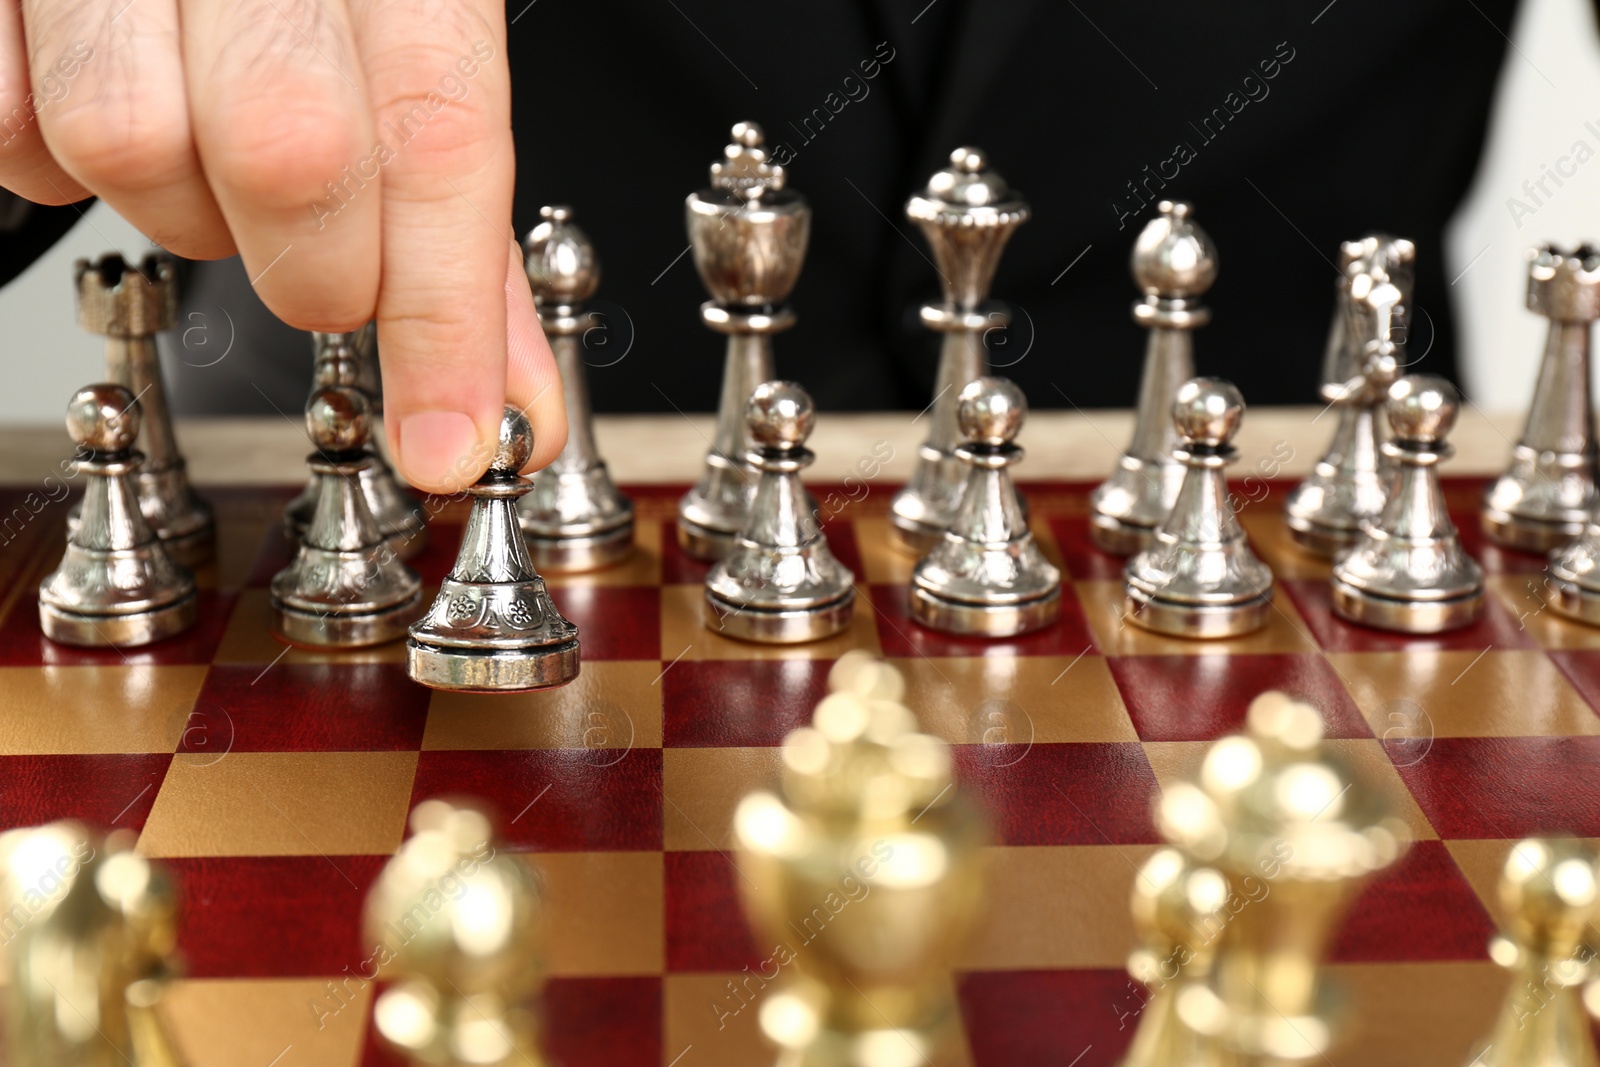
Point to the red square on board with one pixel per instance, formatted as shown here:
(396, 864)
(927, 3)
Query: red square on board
(110, 791)
(744, 703)
(614, 622)
(902, 637)
(1582, 668)
(1077, 1018)
(706, 927)
(1508, 787)
(1084, 559)
(677, 567)
(1495, 628)
(1201, 698)
(1422, 908)
(556, 800)
(313, 707)
(1062, 794)
(23, 644)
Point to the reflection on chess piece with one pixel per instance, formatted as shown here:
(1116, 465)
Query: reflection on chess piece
(1199, 577)
(493, 625)
(346, 586)
(1548, 892)
(1407, 571)
(350, 360)
(749, 236)
(116, 585)
(781, 584)
(985, 576)
(1174, 263)
(129, 305)
(1349, 485)
(575, 519)
(1180, 912)
(1546, 495)
(1296, 833)
(967, 213)
(457, 927)
(863, 878)
(91, 930)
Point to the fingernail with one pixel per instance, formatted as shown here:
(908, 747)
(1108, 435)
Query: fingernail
(436, 449)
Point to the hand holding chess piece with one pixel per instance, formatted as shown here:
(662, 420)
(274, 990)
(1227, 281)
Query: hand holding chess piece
(865, 875)
(90, 962)
(466, 972)
(116, 586)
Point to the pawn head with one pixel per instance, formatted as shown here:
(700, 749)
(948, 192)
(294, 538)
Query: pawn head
(1423, 407)
(515, 445)
(1549, 889)
(338, 419)
(103, 418)
(780, 415)
(560, 259)
(1173, 257)
(1207, 411)
(991, 410)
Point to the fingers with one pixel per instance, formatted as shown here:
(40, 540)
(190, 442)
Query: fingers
(114, 116)
(26, 167)
(532, 381)
(440, 91)
(285, 134)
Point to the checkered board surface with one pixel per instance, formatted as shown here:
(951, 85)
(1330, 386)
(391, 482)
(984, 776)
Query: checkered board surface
(275, 783)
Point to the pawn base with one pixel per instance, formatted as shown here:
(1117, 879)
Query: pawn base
(916, 538)
(329, 630)
(1320, 539)
(984, 620)
(194, 549)
(1119, 537)
(575, 555)
(118, 631)
(1205, 622)
(1405, 616)
(1574, 601)
(703, 543)
(769, 627)
(1527, 534)
(479, 670)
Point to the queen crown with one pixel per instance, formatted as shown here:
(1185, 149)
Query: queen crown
(119, 299)
(746, 170)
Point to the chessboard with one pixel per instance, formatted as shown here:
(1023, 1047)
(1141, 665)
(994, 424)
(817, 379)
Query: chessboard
(274, 783)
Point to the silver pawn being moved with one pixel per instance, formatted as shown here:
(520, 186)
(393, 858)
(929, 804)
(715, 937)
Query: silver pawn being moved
(1175, 263)
(986, 577)
(781, 583)
(116, 585)
(1545, 497)
(575, 519)
(967, 213)
(749, 236)
(1199, 577)
(1349, 484)
(346, 586)
(350, 360)
(493, 626)
(129, 305)
(1408, 572)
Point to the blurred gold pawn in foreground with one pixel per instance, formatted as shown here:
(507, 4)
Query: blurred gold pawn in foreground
(89, 928)
(863, 872)
(1294, 834)
(457, 926)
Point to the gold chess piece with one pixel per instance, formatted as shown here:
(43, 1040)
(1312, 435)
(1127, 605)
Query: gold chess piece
(1295, 833)
(88, 929)
(1180, 911)
(457, 926)
(863, 873)
(1548, 889)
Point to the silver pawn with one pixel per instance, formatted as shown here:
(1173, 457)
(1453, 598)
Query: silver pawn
(1174, 263)
(116, 585)
(129, 305)
(967, 213)
(1545, 496)
(1199, 577)
(575, 519)
(986, 577)
(349, 360)
(781, 584)
(346, 586)
(1349, 485)
(749, 236)
(1407, 571)
(493, 626)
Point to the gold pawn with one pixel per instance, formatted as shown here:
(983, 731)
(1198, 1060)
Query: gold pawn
(458, 925)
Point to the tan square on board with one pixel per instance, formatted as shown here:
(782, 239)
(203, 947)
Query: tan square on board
(1403, 1014)
(1016, 699)
(1526, 599)
(1483, 693)
(68, 710)
(224, 1022)
(1271, 540)
(611, 704)
(248, 638)
(703, 786)
(685, 636)
(606, 913)
(642, 567)
(281, 804)
(1104, 608)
